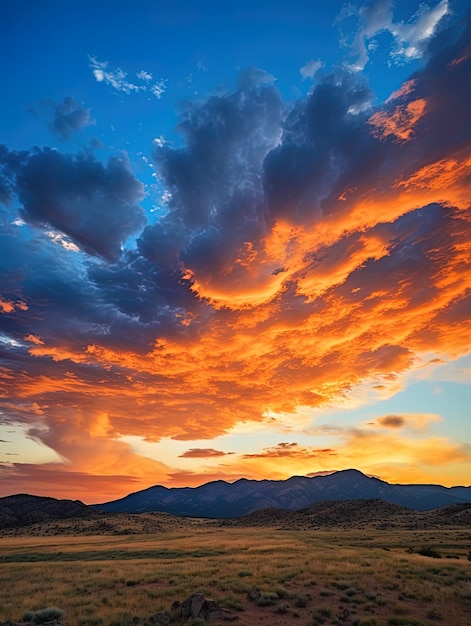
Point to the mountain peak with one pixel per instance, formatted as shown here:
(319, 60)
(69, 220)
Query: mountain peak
(220, 499)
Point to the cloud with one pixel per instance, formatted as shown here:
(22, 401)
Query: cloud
(306, 255)
(117, 79)
(143, 75)
(310, 69)
(203, 453)
(400, 123)
(69, 117)
(376, 17)
(392, 421)
(95, 205)
(291, 450)
(416, 422)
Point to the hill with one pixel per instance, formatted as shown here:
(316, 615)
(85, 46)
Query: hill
(350, 514)
(356, 514)
(24, 510)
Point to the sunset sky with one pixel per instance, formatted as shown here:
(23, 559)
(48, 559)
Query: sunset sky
(235, 242)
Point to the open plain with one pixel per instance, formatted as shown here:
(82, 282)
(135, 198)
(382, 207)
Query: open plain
(121, 570)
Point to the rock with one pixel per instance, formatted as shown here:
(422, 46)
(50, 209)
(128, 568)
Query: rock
(161, 619)
(212, 611)
(254, 594)
(191, 607)
(345, 617)
(197, 605)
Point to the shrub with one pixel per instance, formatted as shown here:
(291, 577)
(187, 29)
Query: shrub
(283, 593)
(282, 609)
(302, 599)
(268, 599)
(429, 551)
(43, 615)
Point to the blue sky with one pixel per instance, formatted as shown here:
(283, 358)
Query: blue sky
(234, 242)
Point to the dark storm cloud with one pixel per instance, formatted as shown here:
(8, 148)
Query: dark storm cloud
(216, 180)
(324, 139)
(69, 117)
(96, 205)
(247, 161)
(9, 163)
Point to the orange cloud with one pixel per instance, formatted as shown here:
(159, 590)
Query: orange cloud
(450, 177)
(400, 123)
(291, 451)
(406, 89)
(10, 306)
(34, 339)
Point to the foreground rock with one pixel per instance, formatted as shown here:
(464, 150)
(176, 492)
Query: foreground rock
(197, 606)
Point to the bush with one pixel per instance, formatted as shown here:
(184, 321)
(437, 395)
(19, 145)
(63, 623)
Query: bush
(268, 599)
(429, 551)
(302, 599)
(43, 615)
(282, 609)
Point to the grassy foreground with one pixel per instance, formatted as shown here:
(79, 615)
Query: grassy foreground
(358, 577)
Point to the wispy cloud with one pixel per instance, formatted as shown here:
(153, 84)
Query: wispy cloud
(118, 79)
(310, 69)
(376, 17)
(203, 453)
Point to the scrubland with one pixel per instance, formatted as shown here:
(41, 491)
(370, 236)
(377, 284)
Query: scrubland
(358, 577)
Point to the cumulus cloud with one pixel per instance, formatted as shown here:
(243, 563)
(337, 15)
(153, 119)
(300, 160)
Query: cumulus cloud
(69, 117)
(95, 205)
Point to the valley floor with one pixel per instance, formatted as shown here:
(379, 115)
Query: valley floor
(366, 577)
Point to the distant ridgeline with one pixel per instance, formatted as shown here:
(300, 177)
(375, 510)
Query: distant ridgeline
(220, 499)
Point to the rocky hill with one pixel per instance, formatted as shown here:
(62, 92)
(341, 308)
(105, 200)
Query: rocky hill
(356, 514)
(24, 510)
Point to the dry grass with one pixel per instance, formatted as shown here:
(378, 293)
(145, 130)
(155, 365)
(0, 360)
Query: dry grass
(374, 578)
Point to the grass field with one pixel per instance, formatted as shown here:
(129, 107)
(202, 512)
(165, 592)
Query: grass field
(372, 578)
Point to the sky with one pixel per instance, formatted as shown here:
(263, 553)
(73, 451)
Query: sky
(235, 241)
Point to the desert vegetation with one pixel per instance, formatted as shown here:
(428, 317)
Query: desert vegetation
(261, 575)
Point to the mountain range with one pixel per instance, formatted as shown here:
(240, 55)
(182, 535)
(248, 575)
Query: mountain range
(220, 499)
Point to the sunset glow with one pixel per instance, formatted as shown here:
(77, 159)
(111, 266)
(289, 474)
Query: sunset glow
(280, 286)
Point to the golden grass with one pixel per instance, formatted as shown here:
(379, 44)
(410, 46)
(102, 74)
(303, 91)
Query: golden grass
(376, 575)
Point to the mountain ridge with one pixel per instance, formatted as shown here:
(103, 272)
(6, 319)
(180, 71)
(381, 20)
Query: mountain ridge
(221, 499)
